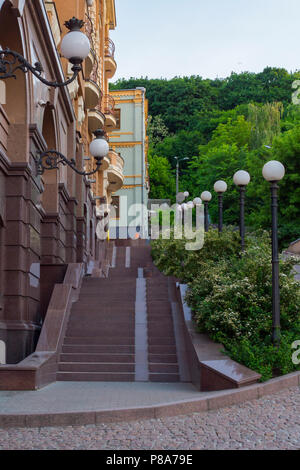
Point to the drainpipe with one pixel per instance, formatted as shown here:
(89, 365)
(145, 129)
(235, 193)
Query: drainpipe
(143, 161)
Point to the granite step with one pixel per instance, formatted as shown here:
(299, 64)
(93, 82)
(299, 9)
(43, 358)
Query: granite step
(99, 357)
(163, 368)
(96, 367)
(162, 358)
(163, 377)
(101, 340)
(95, 376)
(98, 349)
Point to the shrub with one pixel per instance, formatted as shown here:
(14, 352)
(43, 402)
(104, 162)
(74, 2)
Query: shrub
(231, 296)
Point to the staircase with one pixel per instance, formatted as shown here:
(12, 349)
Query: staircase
(102, 333)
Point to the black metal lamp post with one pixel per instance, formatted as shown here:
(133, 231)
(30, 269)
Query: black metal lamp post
(206, 197)
(242, 178)
(220, 187)
(50, 159)
(273, 172)
(75, 47)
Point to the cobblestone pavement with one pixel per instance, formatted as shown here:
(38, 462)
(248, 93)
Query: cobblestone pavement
(272, 422)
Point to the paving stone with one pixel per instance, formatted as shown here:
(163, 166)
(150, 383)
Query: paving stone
(242, 427)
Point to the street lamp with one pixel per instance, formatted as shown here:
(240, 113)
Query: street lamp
(206, 197)
(186, 194)
(177, 171)
(197, 201)
(241, 179)
(220, 187)
(273, 172)
(50, 159)
(75, 47)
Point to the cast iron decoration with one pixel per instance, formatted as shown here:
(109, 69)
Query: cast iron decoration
(51, 159)
(75, 47)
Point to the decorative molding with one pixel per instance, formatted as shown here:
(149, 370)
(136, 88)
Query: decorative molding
(131, 186)
(124, 144)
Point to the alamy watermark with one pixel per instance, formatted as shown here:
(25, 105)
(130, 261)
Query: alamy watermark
(296, 354)
(296, 93)
(161, 220)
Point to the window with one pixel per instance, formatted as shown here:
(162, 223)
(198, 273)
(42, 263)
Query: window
(115, 201)
(118, 118)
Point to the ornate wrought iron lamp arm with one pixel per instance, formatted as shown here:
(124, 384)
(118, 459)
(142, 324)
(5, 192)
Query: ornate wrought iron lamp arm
(11, 61)
(50, 159)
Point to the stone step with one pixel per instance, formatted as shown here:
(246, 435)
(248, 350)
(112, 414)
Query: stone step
(100, 340)
(162, 349)
(163, 377)
(86, 316)
(101, 332)
(122, 292)
(103, 357)
(162, 358)
(97, 349)
(163, 368)
(95, 376)
(96, 367)
(161, 340)
(160, 332)
(107, 307)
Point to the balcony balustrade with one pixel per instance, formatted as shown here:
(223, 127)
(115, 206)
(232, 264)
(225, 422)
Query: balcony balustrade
(109, 55)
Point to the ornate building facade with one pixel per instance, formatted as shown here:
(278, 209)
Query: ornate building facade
(130, 139)
(48, 221)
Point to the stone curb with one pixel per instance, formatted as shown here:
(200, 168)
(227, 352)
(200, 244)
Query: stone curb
(214, 401)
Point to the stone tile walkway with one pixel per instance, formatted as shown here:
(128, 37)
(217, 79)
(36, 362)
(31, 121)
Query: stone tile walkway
(272, 422)
(95, 396)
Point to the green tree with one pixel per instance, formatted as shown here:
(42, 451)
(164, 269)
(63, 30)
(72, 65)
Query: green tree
(162, 180)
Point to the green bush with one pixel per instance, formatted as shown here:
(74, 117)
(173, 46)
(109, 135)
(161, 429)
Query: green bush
(231, 296)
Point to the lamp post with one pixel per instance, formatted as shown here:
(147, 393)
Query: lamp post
(50, 159)
(177, 171)
(75, 47)
(241, 179)
(273, 172)
(206, 197)
(220, 187)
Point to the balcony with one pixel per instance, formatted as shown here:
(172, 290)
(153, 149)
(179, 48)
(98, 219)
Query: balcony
(109, 111)
(92, 88)
(96, 119)
(115, 174)
(109, 58)
(91, 58)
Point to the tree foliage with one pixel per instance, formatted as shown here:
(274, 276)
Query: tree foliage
(220, 126)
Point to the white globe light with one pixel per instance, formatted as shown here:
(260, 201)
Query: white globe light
(190, 204)
(99, 148)
(197, 201)
(241, 178)
(220, 186)
(273, 171)
(180, 197)
(206, 196)
(75, 44)
(186, 194)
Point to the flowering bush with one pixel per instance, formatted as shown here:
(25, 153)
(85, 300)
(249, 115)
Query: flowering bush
(231, 296)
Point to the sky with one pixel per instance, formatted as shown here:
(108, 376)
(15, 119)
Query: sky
(210, 38)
